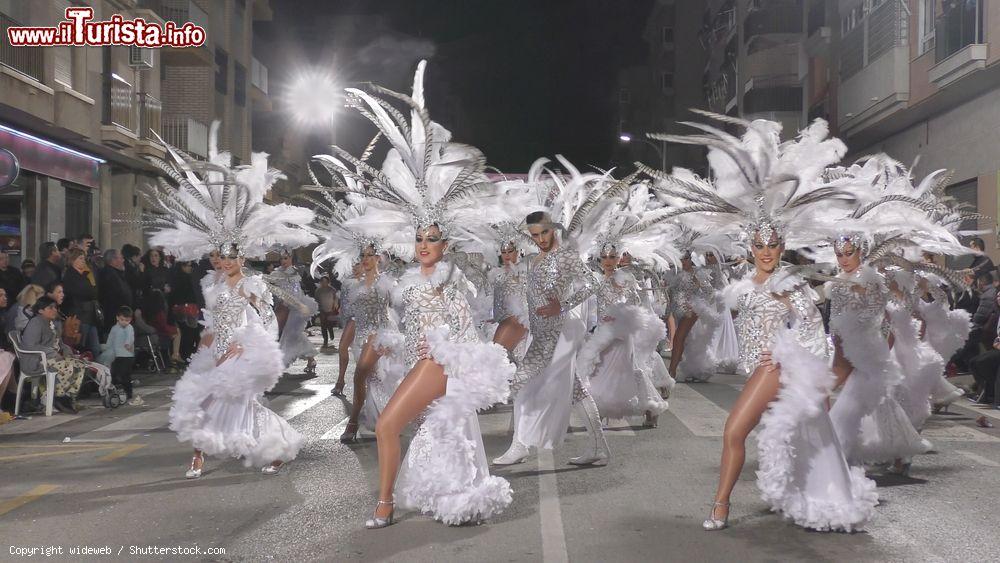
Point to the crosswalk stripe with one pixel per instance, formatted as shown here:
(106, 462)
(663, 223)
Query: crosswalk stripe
(978, 458)
(335, 432)
(699, 414)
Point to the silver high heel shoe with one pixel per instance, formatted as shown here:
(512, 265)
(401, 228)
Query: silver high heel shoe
(712, 523)
(272, 469)
(193, 473)
(375, 522)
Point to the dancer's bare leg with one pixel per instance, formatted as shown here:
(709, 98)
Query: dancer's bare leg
(281, 315)
(425, 383)
(344, 352)
(671, 330)
(362, 371)
(509, 333)
(680, 337)
(760, 390)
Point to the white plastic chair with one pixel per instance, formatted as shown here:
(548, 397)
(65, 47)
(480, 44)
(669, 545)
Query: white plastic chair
(49, 375)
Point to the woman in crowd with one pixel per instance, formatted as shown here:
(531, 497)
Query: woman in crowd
(81, 299)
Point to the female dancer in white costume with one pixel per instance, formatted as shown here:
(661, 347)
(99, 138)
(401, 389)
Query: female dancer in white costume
(420, 192)
(353, 252)
(771, 192)
(293, 339)
(615, 359)
(863, 363)
(217, 403)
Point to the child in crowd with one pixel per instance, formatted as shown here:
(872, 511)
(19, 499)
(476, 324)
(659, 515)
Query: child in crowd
(120, 353)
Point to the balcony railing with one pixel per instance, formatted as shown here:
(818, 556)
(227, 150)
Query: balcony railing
(187, 134)
(149, 116)
(722, 90)
(777, 19)
(960, 25)
(120, 104)
(26, 60)
(258, 75)
(180, 12)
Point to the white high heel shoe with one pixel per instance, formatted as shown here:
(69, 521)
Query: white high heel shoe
(712, 523)
(193, 473)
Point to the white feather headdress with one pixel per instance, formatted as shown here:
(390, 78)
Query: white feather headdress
(760, 185)
(425, 179)
(214, 206)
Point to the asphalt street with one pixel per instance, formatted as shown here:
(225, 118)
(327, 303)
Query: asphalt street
(112, 482)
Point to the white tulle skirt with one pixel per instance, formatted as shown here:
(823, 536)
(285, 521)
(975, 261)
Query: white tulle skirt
(543, 405)
(699, 361)
(220, 410)
(389, 371)
(445, 472)
(615, 360)
(726, 347)
(803, 473)
(922, 369)
(294, 342)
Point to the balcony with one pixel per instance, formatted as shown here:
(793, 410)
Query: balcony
(120, 121)
(259, 86)
(150, 125)
(959, 48)
(28, 61)
(875, 92)
(777, 65)
(187, 134)
(958, 27)
(181, 12)
(782, 19)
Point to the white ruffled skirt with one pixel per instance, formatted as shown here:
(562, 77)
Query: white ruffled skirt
(803, 473)
(294, 342)
(726, 348)
(615, 360)
(220, 409)
(445, 472)
(699, 361)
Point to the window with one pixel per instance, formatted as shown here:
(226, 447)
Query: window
(667, 81)
(79, 207)
(221, 71)
(926, 25)
(624, 95)
(239, 84)
(63, 57)
(668, 35)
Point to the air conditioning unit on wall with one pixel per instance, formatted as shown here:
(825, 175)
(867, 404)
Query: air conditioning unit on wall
(140, 58)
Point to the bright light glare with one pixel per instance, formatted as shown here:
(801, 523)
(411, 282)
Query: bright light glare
(625, 138)
(313, 98)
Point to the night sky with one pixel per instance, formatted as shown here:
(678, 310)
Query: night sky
(519, 79)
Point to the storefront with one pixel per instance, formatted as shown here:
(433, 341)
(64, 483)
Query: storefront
(53, 196)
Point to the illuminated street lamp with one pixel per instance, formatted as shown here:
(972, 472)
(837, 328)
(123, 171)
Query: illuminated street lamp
(313, 98)
(661, 150)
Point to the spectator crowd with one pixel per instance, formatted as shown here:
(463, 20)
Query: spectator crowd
(96, 315)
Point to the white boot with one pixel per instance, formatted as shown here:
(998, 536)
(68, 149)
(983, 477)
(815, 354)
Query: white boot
(597, 449)
(516, 453)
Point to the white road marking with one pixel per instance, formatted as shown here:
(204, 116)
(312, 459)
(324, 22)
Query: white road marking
(977, 411)
(956, 433)
(291, 406)
(700, 415)
(335, 432)
(978, 458)
(621, 426)
(549, 511)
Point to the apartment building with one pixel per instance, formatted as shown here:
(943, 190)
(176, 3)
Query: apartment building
(652, 97)
(920, 80)
(753, 69)
(81, 120)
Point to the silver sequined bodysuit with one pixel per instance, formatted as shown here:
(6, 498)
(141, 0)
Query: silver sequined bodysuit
(560, 274)
(230, 309)
(429, 305)
(288, 280)
(509, 284)
(868, 309)
(689, 286)
(369, 308)
(760, 313)
(618, 288)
